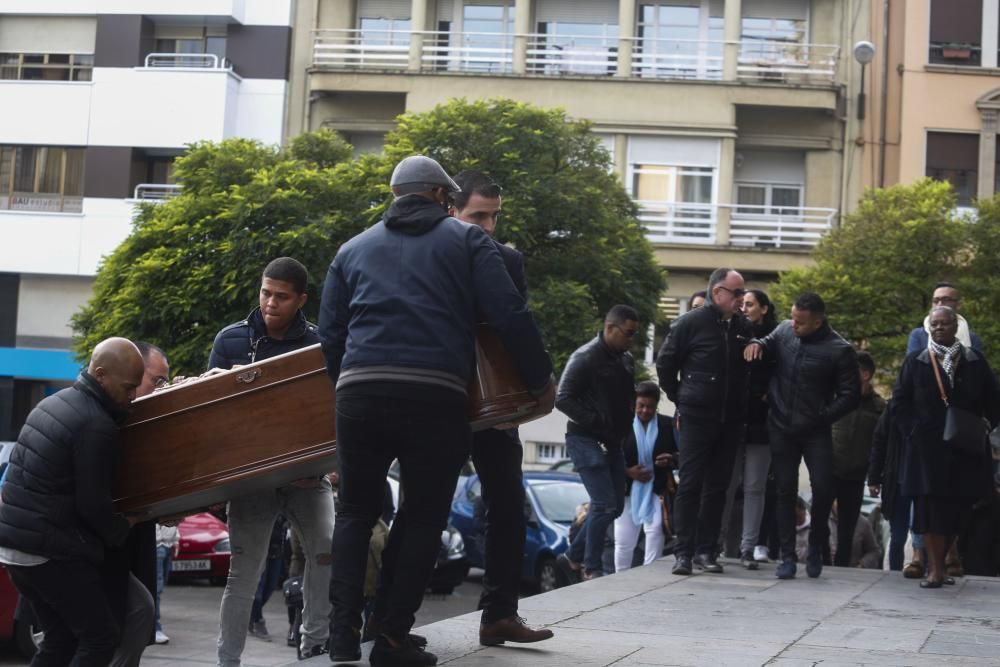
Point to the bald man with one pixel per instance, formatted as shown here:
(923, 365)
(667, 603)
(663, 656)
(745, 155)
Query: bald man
(57, 517)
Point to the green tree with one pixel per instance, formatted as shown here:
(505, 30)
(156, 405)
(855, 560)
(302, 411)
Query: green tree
(980, 279)
(877, 271)
(192, 264)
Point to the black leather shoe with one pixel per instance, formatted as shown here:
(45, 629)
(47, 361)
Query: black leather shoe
(373, 630)
(707, 563)
(312, 651)
(748, 561)
(682, 566)
(391, 653)
(345, 645)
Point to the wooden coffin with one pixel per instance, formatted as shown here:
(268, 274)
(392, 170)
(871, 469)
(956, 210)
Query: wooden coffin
(265, 425)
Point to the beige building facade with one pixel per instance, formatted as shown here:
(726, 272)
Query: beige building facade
(731, 122)
(934, 101)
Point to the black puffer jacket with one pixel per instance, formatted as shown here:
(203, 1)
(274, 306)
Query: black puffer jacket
(246, 341)
(701, 367)
(757, 407)
(57, 495)
(815, 380)
(597, 393)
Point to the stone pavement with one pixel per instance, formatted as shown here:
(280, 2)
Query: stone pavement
(647, 616)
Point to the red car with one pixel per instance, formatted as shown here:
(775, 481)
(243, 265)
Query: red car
(204, 549)
(12, 630)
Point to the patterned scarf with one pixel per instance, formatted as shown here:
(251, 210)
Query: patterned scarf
(948, 356)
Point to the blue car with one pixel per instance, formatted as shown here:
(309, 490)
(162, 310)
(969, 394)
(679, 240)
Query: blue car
(550, 507)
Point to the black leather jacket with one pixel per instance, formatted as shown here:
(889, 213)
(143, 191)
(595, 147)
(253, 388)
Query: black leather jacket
(815, 380)
(597, 393)
(57, 495)
(701, 367)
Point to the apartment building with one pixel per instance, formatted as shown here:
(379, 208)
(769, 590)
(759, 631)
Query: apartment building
(96, 99)
(731, 122)
(934, 104)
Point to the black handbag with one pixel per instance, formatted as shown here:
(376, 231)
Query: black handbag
(964, 430)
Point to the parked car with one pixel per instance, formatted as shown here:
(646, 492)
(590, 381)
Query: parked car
(452, 565)
(204, 549)
(563, 465)
(16, 624)
(551, 499)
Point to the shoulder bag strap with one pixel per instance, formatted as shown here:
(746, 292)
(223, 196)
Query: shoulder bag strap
(937, 376)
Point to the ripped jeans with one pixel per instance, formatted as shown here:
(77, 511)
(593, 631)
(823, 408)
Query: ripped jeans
(251, 519)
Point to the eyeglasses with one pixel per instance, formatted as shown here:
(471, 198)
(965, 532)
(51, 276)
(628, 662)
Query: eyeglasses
(944, 299)
(159, 382)
(739, 292)
(628, 332)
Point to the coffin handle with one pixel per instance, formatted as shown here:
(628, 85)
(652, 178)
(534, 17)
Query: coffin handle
(246, 377)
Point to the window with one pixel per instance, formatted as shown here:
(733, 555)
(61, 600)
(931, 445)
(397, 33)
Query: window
(46, 66)
(680, 41)
(41, 178)
(384, 32)
(487, 37)
(550, 452)
(956, 28)
(192, 42)
(575, 48)
(768, 199)
(954, 157)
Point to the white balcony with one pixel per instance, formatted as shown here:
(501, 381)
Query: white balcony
(47, 113)
(547, 55)
(186, 61)
(227, 9)
(155, 192)
(63, 243)
(784, 228)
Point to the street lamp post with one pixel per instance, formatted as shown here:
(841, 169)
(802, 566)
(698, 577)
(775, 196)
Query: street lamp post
(864, 52)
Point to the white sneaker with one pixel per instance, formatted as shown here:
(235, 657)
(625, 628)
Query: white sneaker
(760, 553)
(161, 638)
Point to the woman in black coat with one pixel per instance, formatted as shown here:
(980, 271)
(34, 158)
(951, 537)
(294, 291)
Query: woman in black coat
(943, 481)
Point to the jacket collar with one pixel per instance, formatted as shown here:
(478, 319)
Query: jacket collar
(258, 330)
(87, 384)
(607, 348)
(819, 334)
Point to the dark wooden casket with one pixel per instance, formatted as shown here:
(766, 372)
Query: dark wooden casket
(265, 425)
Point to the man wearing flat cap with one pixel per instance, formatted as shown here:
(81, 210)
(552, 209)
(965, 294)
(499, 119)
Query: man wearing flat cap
(398, 324)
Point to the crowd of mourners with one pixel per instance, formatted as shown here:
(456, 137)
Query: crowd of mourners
(753, 398)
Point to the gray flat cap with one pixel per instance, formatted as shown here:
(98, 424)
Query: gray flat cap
(417, 171)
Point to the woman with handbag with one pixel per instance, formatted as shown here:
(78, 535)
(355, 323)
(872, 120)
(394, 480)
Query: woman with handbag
(945, 395)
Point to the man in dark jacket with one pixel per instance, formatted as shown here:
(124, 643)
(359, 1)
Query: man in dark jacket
(702, 371)
(275, 327)
(57, 517)
(497, 452)
(852, 446)
(398, 324)
(815, 383)
(596, 392)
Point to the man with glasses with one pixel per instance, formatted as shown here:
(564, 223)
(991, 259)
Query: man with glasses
(945, 294)
(702, 371)
(597, 393)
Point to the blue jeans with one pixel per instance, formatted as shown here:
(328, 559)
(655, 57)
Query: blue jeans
(164, 555)
(270, 579)
(603, 475)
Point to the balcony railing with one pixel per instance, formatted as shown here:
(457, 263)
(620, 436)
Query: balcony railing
(155, 191)
(778, 227)
(186, 61)
(763, 60)
(548, 55)
(678, 223)
(785, 228)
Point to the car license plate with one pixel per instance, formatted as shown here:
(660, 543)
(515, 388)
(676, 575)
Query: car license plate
(189, 565)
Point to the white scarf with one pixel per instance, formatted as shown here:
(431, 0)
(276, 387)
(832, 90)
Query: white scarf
(948, 356)
(643, 503)
(963, 330)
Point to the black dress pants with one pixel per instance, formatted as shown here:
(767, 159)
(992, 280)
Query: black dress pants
(70, 604)
(849, 494)
(788, 451)
(431, 441)
(497, 456)
(707, 452)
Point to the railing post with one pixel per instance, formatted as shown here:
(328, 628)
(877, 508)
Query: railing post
(418, 21)
(727, 160)
(626, 36)
(522, 27)
(733, 23)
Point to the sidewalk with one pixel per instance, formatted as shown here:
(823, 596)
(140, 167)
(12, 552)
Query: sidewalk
(647, 616)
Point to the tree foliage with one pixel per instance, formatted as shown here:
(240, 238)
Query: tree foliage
(192, 265)
(877, 271)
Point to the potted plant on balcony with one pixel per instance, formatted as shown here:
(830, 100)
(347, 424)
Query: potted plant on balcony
(956, 51)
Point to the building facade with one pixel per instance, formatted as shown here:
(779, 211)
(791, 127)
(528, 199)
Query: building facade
(731, 122)
(935, 97)
(96, 99)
